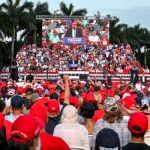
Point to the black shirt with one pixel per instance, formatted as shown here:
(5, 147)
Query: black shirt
(3, 142)
(27, 103)
(136, 146)
(53, 122)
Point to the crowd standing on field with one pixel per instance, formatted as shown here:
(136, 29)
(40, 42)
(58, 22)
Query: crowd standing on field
(75, 114)
(67, 114)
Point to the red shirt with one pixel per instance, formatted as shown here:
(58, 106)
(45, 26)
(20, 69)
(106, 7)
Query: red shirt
(98, 115)
(49, 142)
(142, 71)
(125, 70)
(8, 126)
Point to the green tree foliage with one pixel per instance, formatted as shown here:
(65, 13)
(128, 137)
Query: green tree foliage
(15, 14)
(18, 15)
(69, 10)
(33, 35)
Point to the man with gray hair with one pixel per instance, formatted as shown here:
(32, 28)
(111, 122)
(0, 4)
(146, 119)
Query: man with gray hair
(33, 98)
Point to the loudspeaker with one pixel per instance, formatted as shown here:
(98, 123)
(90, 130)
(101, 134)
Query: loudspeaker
(109, 80)
(83, 76)
(14, 72)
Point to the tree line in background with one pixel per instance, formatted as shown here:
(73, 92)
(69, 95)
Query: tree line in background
(16, 16)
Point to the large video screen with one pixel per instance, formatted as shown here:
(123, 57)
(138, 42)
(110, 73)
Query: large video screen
(75, 32)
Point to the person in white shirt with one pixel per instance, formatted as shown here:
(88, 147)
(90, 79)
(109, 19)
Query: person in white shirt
(20, 69)
(107, 54)
(147, 70)
(119, 70)
(73, 133)
(94, 38)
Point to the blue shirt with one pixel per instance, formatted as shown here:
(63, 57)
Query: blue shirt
(50, 34)
(55, 39)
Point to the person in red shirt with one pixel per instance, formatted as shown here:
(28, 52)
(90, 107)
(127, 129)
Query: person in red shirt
(125, 70)
(142, 71)
(47, 141)
(26, 135)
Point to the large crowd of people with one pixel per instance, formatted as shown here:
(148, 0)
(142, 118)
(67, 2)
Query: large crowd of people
(76, 114)
(93, 58)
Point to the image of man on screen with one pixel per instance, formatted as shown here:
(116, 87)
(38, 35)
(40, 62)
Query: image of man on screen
(94, 38)
(74, 31)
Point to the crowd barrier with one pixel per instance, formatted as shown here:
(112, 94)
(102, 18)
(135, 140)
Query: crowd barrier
(76, 75)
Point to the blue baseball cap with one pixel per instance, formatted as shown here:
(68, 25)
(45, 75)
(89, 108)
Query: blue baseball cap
(17, 101)
(107, 139)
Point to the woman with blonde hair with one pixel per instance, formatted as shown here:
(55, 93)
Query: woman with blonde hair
(99, 113)
(113, 119)
(73, 133)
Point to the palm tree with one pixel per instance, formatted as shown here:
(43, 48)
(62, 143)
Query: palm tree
(132, 37)
(15, 14)
(137, 36)
(4, 54)
(69, 10)
(34, 34)
(117, 32)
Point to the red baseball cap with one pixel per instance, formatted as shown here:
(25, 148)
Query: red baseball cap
(91, 89)
(122, 91)
(51, 91)
(53, 107)
(55, 31)
(105, 90)
(110, 93)
(129, 103)
(39, 90)
(89, 98)
(74, 101)
(83, 94)
(27, 87)
(138, 119)
(39, 111)
(20, 90)
(43, 100)
(1, 121)
(25, 127)
(45, 84)
(74, 24)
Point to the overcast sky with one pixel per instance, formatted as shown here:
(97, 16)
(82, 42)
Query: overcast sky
(129, 11)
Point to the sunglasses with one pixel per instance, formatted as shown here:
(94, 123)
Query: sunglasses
(28, 94)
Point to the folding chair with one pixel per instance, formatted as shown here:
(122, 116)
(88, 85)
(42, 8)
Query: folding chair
(147, 137)
(77, 148)
(91, 138)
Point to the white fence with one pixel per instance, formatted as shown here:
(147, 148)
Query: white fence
(76, 75)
